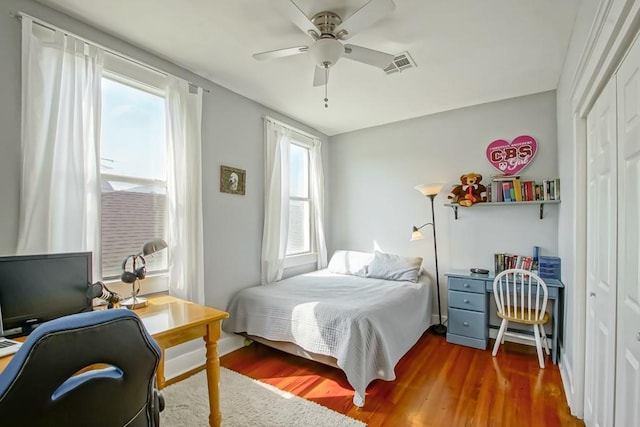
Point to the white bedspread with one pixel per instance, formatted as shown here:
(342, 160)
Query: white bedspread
(366, 324)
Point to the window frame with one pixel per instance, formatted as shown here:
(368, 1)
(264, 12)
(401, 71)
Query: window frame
(301, 258)
(137, 76)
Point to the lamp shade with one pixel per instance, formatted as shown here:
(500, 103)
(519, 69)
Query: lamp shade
(326, 52)
(153, 246)
(429, 189)
(416, 234)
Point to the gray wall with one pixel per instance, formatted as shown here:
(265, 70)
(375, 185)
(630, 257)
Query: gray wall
(373, 172)
(232, 135)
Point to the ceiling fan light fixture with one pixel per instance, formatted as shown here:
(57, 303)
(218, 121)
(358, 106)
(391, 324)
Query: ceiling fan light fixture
(326, 52)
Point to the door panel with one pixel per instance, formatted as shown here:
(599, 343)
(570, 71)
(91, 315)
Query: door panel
(601, 254)
(627, 411)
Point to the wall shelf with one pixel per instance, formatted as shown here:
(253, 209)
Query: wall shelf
(541, 203)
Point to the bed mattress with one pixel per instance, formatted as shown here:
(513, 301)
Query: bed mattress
(366, 324)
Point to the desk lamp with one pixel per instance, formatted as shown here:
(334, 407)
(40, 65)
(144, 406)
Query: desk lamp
(431, 191)
(138, 272)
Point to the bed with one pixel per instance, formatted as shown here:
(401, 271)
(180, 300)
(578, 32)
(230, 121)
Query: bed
(342, 316)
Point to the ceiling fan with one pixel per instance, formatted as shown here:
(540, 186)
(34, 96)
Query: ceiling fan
(327, 29)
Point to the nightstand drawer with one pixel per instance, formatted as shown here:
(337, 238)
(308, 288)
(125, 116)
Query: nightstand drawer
(467, 301)
(466, 285)
(468, 323)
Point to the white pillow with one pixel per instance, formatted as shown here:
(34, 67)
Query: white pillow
(394, 267)
(350, 262)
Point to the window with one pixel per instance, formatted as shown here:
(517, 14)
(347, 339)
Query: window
(300, 242)
(299, 236)
(133, 151)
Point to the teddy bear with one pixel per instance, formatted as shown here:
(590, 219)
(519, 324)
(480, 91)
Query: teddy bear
(470, 190)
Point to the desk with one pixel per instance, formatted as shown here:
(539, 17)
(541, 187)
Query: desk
(468, 314)
(172, 321)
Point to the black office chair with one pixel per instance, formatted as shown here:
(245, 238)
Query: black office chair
(42, 386)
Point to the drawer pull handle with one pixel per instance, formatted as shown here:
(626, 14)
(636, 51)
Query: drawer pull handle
(638, 336)
(466, 301)
(465, 323)
(466, 285)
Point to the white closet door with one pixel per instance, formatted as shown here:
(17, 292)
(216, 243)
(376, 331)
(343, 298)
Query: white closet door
(628, 351)
(601, 260)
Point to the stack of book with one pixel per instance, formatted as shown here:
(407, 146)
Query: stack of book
(504, 261)
(513, 188)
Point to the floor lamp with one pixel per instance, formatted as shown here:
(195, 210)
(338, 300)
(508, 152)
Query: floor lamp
(431, 191)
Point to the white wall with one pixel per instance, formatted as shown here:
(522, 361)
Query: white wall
(572, 361)
(232, 135)
(373, 172)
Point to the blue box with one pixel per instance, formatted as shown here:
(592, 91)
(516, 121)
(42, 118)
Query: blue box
(549, 267)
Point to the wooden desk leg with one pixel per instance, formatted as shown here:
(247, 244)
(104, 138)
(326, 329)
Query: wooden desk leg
(160, 379)
(213, 372)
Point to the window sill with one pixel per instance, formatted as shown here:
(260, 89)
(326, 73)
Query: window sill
(301, 259)
(149, 285)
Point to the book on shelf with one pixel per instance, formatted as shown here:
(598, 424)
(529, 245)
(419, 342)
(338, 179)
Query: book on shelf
(517, 190)
(506, 191)
(546, 187)
(513, 188)
(550, 189)
(496, 192)
(529, 194)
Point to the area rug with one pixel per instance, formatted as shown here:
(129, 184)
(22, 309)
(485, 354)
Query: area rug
(244, 402)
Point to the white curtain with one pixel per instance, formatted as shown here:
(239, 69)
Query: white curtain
(317, 200)
(276, 201)
(184, 118)
(60, 186)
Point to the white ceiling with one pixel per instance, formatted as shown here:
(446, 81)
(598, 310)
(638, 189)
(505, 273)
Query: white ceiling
(467, 52)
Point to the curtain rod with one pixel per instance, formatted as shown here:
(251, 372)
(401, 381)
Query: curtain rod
(288, 126)
(52, 27)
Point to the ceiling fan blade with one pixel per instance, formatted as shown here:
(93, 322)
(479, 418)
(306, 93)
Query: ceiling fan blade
(291, 10)
(368, 56)
(320, 76)
(279, 53)
(367, 15)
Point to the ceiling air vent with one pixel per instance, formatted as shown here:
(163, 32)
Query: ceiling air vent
(401, 62)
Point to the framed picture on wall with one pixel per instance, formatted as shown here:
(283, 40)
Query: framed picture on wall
(232, 180)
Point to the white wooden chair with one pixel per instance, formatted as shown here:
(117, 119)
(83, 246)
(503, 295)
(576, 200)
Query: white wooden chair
(521, 296)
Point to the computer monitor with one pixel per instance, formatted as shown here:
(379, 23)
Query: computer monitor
(38, 288)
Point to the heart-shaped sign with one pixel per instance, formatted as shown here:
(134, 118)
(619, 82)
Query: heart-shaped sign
(512, 157)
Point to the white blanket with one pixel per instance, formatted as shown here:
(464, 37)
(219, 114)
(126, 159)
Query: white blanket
(366, 324)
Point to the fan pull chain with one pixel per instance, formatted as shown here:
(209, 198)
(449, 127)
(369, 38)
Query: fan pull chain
(326, 87)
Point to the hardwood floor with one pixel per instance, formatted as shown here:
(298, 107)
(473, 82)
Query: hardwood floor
(437, 384)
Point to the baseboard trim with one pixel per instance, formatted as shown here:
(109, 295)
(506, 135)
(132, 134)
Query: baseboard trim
(229, 343)
(493, 333)
(185, 363)
(436, 320)
(566, 377)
